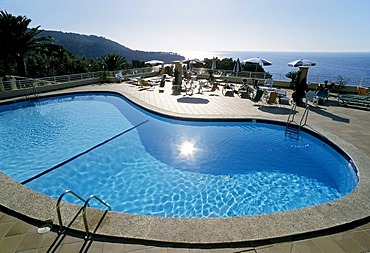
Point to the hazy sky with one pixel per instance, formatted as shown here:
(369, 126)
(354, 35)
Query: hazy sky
(205, 25)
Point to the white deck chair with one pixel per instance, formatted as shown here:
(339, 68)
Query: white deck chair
(311, 96)
(268, 82)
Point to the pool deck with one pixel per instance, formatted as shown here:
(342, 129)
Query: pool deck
(338, 226)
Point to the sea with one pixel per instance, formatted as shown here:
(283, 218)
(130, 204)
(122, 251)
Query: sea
(350, 67)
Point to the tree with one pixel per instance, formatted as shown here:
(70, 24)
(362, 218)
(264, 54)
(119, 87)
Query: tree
(58, 61)
(113, 62)
(137, 64)
(16, 41)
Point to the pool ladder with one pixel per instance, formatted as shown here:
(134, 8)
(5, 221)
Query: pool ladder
(62, 229)
(26, 86)
(292, 127)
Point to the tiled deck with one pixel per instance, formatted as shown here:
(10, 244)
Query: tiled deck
(350, 124)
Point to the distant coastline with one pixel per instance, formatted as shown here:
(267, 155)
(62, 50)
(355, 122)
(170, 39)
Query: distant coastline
(353, 67)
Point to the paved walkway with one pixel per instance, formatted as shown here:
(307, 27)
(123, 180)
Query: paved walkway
(349, 123)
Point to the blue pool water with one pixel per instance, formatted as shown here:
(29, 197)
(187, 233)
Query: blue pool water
(166, 167)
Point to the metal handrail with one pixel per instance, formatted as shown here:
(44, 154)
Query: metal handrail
(292, 112)
(305, 116)
(61, 230)
(88, 236)
(302, 122)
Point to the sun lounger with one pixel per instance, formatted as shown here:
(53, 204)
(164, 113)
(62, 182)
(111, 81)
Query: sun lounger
(145, 85)
(355, 99)
(362, 91)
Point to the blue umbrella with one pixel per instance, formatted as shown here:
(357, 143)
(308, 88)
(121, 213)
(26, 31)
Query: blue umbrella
(302, 63)
(258, 60)
(237, 67)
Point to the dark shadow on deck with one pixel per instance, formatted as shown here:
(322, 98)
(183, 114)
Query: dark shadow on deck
(193, 100)
(275, 110)
(323, 111)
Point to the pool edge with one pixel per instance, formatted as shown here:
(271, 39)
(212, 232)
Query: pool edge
(346, 210)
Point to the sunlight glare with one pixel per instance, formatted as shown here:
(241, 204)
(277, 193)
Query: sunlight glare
(187, 148)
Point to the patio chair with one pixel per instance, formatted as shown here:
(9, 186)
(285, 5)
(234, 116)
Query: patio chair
(200, 87)
(272, 98)
(311, 96)
(322, 96)
(119, 76)
(362, 91)
(244, 91)
(269, 82)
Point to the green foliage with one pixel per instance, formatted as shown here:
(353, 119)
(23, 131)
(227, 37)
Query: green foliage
(168, 70)
(138, 64)
(21, 46)
(17, 41)
(225, 63)
(112, 62)
(341, 82)
(58, 63)
(252, 68)
(291, 75)
(294, 76)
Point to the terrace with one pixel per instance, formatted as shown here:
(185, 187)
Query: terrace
(335, 122)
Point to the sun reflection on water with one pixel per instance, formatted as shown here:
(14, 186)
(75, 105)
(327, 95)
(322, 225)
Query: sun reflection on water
(187, 149)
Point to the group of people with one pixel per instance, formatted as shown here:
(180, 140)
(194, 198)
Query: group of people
(322, 91)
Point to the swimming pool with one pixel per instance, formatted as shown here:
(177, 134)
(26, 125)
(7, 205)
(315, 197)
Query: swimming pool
(167, 167)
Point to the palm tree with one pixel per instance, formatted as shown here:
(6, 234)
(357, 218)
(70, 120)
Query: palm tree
(113, 62)
(17, 40)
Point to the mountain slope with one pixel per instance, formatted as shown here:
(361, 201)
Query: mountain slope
(92, 46)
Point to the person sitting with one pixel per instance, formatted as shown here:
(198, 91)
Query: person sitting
(323, 92)
(321, 87)
(255, 83)
(245, 86)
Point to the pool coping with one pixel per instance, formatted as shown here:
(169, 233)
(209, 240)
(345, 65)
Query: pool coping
(343, 211)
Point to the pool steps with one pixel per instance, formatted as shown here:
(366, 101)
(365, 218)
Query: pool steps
(293, 128)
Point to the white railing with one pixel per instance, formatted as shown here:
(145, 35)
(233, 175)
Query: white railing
(351, 81)
(19, 83)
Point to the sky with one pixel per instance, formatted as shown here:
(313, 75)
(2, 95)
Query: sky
(205, 25)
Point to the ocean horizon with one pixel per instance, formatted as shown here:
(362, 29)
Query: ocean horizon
(352, 67)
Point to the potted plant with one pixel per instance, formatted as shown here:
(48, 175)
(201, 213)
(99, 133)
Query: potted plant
(341, 82)
(292, 75)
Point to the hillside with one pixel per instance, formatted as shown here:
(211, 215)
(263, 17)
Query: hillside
(92, 46)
